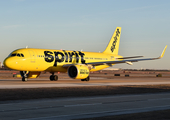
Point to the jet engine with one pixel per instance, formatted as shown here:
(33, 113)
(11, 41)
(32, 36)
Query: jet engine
(78, 71)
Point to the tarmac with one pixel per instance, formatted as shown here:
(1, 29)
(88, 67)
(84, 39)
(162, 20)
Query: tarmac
(68, 82)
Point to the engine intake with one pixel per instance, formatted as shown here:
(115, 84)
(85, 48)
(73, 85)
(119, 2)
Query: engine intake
(78, 71)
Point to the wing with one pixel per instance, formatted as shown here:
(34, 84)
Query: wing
(126, 61)
(121, 60)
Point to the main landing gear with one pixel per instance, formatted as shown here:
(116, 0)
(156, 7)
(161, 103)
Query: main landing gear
(53, 77)
(86, 79)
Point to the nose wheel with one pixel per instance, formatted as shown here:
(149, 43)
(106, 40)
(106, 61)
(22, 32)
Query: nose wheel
(24, 75)
(24, 79)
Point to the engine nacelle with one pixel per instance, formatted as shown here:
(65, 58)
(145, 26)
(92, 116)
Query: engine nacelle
(78, 71)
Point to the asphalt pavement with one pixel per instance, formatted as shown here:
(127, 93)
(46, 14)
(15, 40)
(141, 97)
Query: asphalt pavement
(83, 107)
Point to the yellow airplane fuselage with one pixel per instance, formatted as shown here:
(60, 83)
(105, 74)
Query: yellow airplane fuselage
(53, 60)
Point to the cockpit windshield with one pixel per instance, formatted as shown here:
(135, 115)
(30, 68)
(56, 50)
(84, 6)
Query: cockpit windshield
(17, 54)
(22, 55)
(12, 55)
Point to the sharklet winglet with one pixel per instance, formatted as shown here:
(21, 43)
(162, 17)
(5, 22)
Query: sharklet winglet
(163, 52)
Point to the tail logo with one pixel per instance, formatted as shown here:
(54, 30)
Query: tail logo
(115, 40)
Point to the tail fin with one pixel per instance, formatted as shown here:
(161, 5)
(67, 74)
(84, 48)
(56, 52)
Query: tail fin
(113, 46)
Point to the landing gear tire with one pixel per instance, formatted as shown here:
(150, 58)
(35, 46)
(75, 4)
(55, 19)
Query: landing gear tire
(24, 79)
(53, 77)
(86, 79)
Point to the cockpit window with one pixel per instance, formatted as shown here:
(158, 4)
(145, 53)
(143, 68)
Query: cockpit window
(14, 54)
(22, 55)
(17, 54)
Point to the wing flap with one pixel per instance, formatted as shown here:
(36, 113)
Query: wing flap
(130, 57)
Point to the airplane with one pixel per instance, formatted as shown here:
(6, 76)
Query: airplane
(78, 64)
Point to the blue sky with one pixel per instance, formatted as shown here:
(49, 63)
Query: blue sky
(88, 25)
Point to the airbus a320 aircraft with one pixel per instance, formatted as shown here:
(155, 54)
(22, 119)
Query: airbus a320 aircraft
(30, 61)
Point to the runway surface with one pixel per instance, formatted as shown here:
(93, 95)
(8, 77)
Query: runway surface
(84, 107)
(95, 81)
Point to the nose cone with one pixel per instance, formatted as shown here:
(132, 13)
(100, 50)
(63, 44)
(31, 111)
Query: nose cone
(8, 62)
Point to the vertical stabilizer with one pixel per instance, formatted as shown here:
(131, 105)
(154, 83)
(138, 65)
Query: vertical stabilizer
(113, 46)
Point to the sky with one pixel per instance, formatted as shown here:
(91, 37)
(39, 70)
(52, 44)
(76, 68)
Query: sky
(88, 25)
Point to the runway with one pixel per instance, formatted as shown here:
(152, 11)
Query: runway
(84, 107)
(66, 82)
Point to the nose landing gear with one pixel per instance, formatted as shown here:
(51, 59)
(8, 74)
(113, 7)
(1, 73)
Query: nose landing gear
(24, 75)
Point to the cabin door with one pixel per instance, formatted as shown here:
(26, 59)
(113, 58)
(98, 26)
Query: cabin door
(32, 56)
